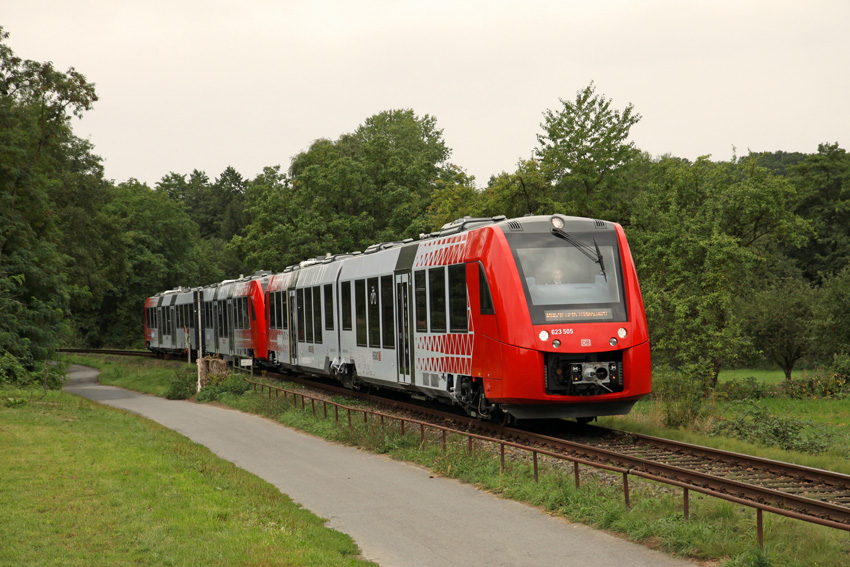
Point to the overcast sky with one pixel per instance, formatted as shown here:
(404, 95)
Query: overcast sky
(204, 84)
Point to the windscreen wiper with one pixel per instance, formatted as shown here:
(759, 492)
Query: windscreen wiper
(592, 253)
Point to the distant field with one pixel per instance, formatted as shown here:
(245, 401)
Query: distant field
(768, 376)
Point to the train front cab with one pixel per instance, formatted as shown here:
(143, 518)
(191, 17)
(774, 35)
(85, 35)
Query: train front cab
(576, 346)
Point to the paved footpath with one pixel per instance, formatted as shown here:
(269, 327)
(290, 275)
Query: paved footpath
(397, 513)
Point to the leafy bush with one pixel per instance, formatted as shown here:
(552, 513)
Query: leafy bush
(754, 424)
(749, 388)
(183, 386)
(11, 370)
(841, 365)
(48, 374)
(215, 388)
(683, 394)
(820, 384)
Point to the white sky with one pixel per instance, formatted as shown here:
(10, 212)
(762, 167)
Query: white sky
(203, 84)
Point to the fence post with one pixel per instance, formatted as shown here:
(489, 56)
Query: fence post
(444, 440)
(502, 458)
(687, 505)
(759, 528)
(402, 427)
(626, 490)
(534, 454)
(575, 472)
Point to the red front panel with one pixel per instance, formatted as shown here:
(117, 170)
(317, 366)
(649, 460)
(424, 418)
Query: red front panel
(508, 351)
(258, 321)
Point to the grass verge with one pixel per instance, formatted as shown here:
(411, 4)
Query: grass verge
(87, 485)
(718, 533)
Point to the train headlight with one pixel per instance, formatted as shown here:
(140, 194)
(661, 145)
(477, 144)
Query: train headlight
(622, 332)
(613, 341)
(544, 335)
(557, 222)
(556, 343)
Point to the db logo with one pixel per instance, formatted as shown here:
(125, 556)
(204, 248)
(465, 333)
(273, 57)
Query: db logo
(585, 342)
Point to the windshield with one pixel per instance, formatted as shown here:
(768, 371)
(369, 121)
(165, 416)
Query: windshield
(570, 280)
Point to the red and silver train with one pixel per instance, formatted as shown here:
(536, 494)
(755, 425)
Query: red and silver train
(533, 317)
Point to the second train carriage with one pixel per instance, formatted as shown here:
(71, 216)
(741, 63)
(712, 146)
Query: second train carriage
(537, 317)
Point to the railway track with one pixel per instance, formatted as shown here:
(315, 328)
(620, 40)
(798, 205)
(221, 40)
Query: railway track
(117, 352)
(806, 493)
(815, 495)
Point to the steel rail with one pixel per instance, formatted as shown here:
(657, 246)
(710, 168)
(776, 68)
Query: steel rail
(695, 478)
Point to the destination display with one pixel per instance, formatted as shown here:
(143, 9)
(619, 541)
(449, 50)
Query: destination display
(561, 315)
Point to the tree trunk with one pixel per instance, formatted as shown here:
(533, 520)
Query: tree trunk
(716, 367)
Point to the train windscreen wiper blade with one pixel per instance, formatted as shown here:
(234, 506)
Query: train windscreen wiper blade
(592, 253)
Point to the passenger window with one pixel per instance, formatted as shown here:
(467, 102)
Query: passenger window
(317, 315)
(329, 307)
(308, 313)
(374, 313)
(282, 321)
(387, 305)
(299, 300)
(457, 299)
(484, 292)
(345, 300)
(421, 301)
(360, 311)
(437, 299)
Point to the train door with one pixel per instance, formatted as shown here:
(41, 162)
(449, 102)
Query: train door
(403, 328)
(293, 327)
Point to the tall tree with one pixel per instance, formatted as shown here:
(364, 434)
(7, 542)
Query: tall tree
(823, 180)
(583, 144)
(699, 235)
(780, 319)
(159, 250)
(375, 184)
(524, 192)
(36, 106)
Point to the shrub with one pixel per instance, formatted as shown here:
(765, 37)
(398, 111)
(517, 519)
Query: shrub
(215, 388)
(683, 394)
(183, 385)
(754, 424)
(12, 371)
(49, 375)
(820, 384)
(749, 388)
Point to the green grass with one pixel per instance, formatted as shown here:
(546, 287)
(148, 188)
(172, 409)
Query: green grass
(718, 532)
(83, 484)
(147, 375)
(768, 376)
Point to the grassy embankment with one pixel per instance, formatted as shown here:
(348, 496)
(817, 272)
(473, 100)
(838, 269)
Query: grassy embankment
(83, 484)
(718, 532)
